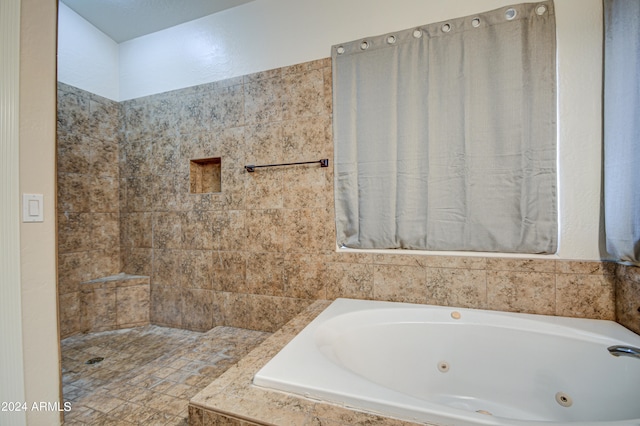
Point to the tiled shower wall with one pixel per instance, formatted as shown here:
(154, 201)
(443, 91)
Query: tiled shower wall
(252, 254)
(89, 129)
(257, 252)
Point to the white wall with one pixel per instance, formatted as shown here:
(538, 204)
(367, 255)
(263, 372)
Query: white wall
(266, 34)
(87, 58)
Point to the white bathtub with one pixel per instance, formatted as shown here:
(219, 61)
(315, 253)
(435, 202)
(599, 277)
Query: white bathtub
(453, 366)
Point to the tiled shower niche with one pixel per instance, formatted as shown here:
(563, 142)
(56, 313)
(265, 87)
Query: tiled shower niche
(204, 175)
(263, 248)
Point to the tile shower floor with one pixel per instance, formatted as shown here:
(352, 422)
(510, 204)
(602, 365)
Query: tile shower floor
(148, 374)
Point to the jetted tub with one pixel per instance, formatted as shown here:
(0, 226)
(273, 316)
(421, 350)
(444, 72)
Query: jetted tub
(454, 366)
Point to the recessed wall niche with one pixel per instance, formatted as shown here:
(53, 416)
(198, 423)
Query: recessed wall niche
(205, 175)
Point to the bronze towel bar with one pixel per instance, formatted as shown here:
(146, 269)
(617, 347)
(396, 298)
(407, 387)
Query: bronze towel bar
(323, 163)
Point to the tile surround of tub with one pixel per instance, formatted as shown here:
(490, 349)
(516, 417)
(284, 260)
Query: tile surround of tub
(260, 251)
(233, 400)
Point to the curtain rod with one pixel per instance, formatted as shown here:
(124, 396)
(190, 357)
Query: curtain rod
(323, 163)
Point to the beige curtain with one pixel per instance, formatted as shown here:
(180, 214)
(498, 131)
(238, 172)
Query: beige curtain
(445, 135)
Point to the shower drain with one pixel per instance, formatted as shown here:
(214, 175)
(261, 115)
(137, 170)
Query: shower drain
(94, 360)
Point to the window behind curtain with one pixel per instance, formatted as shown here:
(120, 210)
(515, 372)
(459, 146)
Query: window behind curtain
(445, 135)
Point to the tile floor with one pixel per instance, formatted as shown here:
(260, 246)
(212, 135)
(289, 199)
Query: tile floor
(148, 373)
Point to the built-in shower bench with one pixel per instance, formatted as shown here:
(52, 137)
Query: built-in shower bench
(114, 302)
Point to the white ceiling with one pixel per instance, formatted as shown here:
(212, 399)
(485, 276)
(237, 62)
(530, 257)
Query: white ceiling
(123, 20)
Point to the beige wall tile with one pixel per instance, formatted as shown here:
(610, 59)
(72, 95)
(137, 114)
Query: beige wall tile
(400, 283)
(138, 157)
(224, 107)
(197, 230)
(166, 306)
(263, 100)
(167, 268)
(98, 307)
(586, 296)
(264, 230)
(265, 274)
(328, 88)
(308, 187)
(230, 271)
(264, 188)
(74, 153)
(628, 297)
(137, 261)
(69, 313)
(465, 288)
(229, 231)
(401, 259)
(73, 111)
(73, 268)
(140, 193)
(73, 190)
(304, 94)
(585, 267)
(197, 309)
(105, 155)
(305, 231)
(74, 230)
(167, 230)
(306, 139)
(521, 265)
(104, 231)
(304, 276)
(460, 262)
(238, 309)
(165, 155)
(271, 313)
(132, 305)
(136, 230)
(349, 280)
(264, 143)
(528, 292)
(196, 269)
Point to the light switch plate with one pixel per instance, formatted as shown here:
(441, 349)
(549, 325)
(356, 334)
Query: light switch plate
(32, 208)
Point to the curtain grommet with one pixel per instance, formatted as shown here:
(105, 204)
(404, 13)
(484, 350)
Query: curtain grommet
(364, 45)
(510, 14)
(391, 39)
(446, 27)
(541, 9)
(475, 22)
(417, 33)
(340, 50)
